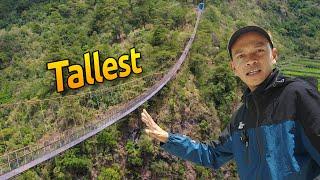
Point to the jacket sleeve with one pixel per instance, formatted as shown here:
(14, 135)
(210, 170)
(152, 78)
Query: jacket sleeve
(213, 154)
(308, 114)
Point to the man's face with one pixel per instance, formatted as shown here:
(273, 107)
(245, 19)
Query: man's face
(252, 59)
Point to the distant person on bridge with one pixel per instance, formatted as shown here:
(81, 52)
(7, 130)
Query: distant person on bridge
(275, 134)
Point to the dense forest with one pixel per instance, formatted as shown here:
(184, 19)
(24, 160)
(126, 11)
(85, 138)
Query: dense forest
(198, 102)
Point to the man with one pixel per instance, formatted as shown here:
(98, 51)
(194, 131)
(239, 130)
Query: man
(275, 134)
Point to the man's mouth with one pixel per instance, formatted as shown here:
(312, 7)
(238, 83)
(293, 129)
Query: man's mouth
(253, 72)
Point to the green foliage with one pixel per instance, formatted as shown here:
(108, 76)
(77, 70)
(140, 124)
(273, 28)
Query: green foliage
(197, 65)
(146, 145)
(30, 174)
(134, 154)
(160, 168)
(217, 84)
(108, 139)
(142, 12)
(134, 159)
(220, 89)
(202, 172)
(76, 166)
(8, 45)
(111, 173)
(163, 57)
(159, 36)
(204, 127)
(178, 17)
(299, 22)
(5, 93)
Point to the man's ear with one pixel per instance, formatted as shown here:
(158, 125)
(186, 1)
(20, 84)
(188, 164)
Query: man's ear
(274, 53)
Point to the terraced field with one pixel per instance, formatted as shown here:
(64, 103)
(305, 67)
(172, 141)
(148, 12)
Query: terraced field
(301, 66)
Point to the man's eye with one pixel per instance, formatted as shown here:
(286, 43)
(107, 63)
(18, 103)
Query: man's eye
(240, 56)
(260, 50)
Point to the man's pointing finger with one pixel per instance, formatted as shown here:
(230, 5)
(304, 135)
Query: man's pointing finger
(146, 120)
(144, 115)
(148, 115)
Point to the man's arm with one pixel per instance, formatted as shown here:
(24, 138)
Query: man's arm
(212, 155)
(308, 114)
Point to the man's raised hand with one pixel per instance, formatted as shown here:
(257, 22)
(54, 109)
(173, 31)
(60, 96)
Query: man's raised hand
(153, 130)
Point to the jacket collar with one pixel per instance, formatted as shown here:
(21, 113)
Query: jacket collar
(275, 79)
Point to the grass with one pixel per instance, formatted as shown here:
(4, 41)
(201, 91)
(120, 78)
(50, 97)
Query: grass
(295, 67)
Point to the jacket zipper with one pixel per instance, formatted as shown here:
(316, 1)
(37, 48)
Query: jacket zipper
(256, 129)
(245, 137)
(247, 146)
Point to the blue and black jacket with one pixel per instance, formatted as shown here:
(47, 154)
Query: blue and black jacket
(275, 134)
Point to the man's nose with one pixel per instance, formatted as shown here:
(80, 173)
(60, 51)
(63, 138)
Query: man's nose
(252, 59)
(251, 62)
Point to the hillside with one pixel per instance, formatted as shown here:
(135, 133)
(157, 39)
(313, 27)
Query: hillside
(198, 102)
